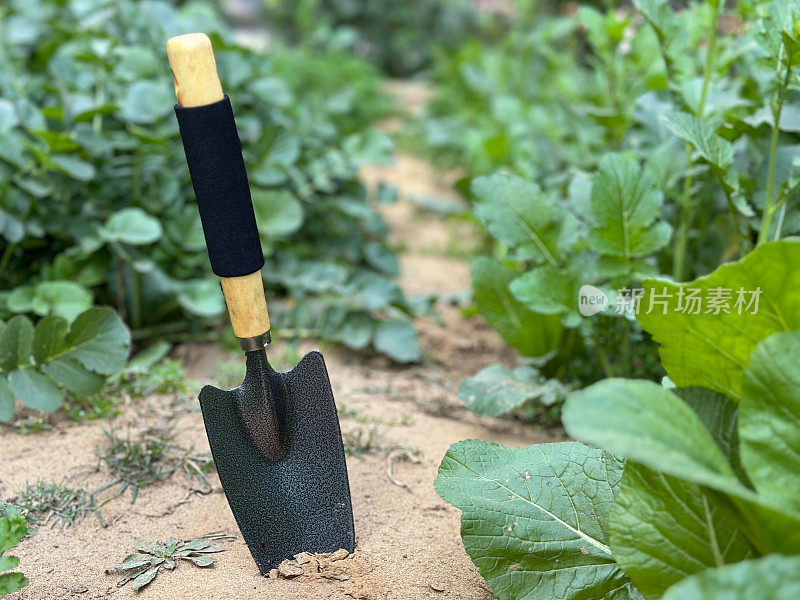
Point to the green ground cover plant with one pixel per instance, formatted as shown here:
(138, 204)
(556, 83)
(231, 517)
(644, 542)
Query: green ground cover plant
(677, 489)
(147, 456)
(41, 365)
(55, 504)
(13, 528)
(144, 565)
(662, 143)
(96, 205)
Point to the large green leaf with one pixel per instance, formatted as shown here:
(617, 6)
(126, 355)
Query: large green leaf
(146, 102)
(719, 414)
(64, 298)
(35, 389)
(132, 226)
(73, 377)
(48, 339)
(534, 519)
(625, 205)
(648, 424)
(522, 217)
(769, 419)
(278, 212)
(99, 340)
(663, 529)
(497, 390)
(772, 577)
(711, 350)
(201, 297)
(398, 340)
(6, 401)
(530, 333)
(16, 342)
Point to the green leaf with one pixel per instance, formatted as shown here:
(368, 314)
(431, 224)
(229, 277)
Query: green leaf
(132, 226)
(73, 377)
(772, 577)
(497, 390)
(34, 389)
(7, 407)
(397, 339)
(202, 561)
(11, 582)
(719, 416)
(711, 350)
(48, 339)
(715, 150)
(145, 578)
(546, 291)
(278, 213)
(147, 102)
(663, 529)
(8, 116)
(648, 424)
(64, 298)
(201, 297)
(74, 167)
(625, 204)
(534, 519)
(522, 217)
(16, 343)
(769, 413)
(671, 35)
(530, 333)
(13, 528)
(99, 340)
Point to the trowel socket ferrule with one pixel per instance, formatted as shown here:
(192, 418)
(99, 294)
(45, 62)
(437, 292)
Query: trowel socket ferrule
(256, 342)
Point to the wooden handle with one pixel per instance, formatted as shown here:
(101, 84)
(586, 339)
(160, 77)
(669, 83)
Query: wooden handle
(194, 70)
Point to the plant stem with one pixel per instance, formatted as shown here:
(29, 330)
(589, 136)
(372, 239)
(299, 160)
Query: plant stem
(6, 257)
(684, 226)
(687, 210)
(777, 109)
(604, 362)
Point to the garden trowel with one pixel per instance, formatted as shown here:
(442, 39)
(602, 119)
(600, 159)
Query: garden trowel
(275, 439)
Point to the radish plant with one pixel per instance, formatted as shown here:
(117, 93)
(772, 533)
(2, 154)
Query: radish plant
(690, 161)
(675, 480)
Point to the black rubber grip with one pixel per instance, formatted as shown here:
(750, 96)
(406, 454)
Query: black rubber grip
(219, 178)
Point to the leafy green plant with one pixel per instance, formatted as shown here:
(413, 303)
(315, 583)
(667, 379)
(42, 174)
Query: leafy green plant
(95, 199)
(676, 481)
(685, 166)
(144, 565)
(13, 528)
(769, 578)
(146, 457)
(39, 365)
(52, 504)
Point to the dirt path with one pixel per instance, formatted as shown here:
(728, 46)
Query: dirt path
(408, 542)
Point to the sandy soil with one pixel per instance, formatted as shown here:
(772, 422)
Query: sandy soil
(408, 544)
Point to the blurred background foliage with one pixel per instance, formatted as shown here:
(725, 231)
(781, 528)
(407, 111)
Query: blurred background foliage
(558, 116)
(95, 200)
